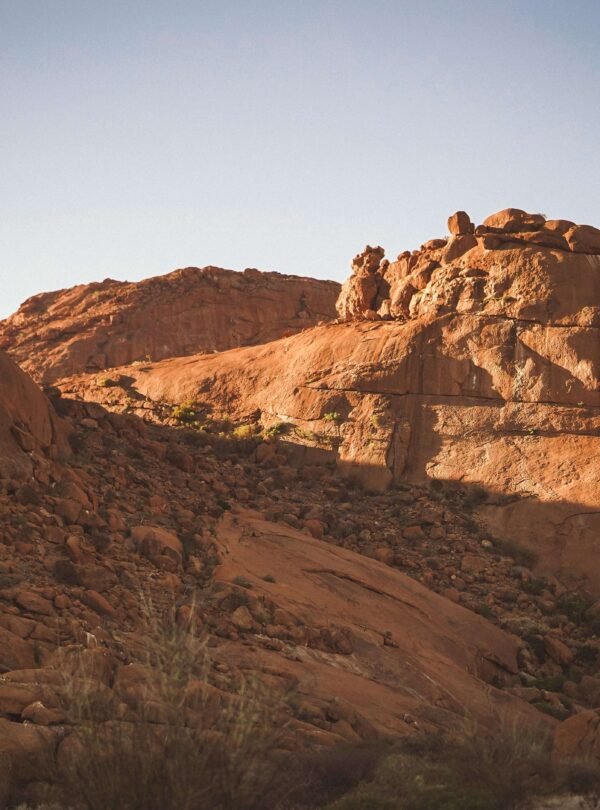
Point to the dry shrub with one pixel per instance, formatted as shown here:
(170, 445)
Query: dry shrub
(478, 769)
(322, 776)
(178, 741)
(512, 761)
(582, 777)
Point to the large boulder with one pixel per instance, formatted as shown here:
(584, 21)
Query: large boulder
(160, 545)
(29, 428)
(578, 738)
(460, 223)
(513, 220)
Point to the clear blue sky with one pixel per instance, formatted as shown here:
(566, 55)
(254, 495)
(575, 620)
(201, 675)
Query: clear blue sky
(137, 136)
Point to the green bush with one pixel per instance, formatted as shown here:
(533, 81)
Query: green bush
(186, 413)
(573, 605)
(275, 430)
(242, 582)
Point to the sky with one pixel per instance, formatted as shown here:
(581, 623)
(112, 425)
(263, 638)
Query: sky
(138, 136)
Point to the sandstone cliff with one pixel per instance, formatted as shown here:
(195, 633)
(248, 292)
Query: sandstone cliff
(96, 326)
(475, 359)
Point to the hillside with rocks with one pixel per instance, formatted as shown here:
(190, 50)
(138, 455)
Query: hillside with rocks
(388, 521)
(474, 359)
(110, 323)
(265, 553)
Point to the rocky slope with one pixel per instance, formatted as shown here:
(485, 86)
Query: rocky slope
(264, 551)
(96, 326)
(474, 359)
(346, 513)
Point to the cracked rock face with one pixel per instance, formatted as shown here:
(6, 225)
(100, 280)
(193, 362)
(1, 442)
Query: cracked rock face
(485, 371)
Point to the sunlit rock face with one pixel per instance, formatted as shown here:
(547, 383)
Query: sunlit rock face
(474, 359)
(92, 327)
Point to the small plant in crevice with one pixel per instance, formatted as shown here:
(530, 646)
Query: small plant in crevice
(277, 429)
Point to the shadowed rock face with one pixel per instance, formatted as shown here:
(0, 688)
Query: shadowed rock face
(476, 362)
(30, 432)
(97, 326)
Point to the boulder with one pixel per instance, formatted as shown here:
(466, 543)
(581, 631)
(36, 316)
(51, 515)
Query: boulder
(30, 430)
(158, 544)
(457, 246)
(459, 224)
(578, 738)
(583, 239)
(513, 220)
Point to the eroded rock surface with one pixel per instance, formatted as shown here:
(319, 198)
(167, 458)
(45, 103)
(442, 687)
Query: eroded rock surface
(97, 326)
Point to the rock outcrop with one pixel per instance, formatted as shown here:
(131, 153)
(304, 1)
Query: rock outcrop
(474, 360)
(31, 434)
(424, 282)
(460, 388)
(578, 738)
(97, 326)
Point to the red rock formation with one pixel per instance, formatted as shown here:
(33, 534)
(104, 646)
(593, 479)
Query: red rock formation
(369, 651)
(359, 292)
(97, 326)
(578, 738)
(483, 366)
(30, 432)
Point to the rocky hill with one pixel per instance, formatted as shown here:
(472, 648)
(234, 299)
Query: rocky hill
(473, 360)
(265, 553)
(387, 521)
(112, 323)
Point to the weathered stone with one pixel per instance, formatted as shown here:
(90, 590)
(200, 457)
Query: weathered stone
(578, 738)
(460, 224)
(558, 650)
(157, 544)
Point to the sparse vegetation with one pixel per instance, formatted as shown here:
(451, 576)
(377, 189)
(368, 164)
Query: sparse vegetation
(243, 432)
(243, 582)
(185, 413)
(106, 382)
(520, 554)
(275, 430)
(495, 769)
(574, 605)
(187, 742)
